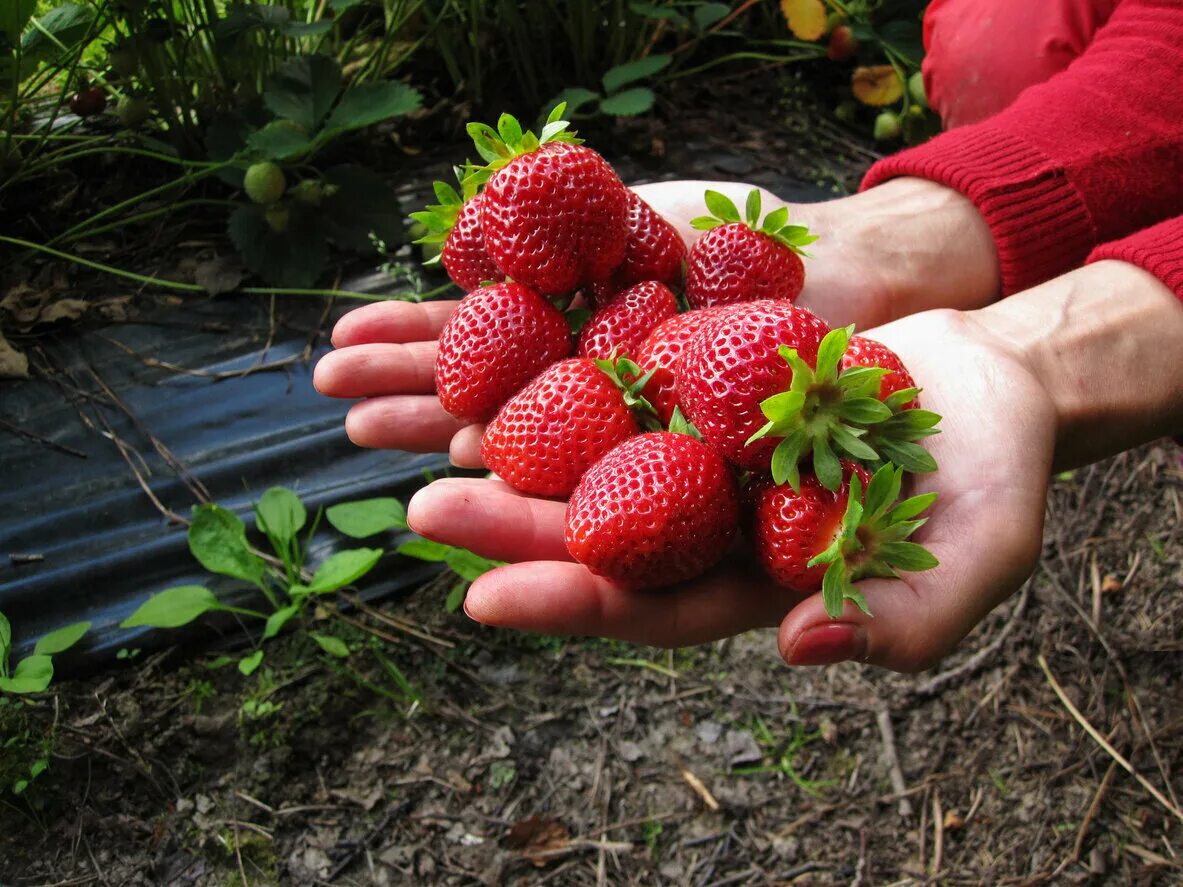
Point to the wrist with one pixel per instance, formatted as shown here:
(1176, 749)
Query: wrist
(1106, 343)
(927, 244)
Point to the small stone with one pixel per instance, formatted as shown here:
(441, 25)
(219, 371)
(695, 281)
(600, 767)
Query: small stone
(709, 732)
(629, 751)
(741, 748)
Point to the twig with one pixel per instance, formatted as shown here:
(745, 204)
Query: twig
(883, 719)
(395, 622)
(1091, 813)
(1101, 741)
(44, 441)
(860, 869)
(938, 837)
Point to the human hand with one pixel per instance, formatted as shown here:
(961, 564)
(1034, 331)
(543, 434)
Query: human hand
(995, 455)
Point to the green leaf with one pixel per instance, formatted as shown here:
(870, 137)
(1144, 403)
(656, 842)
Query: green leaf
(332, 645)
(173, 607)
(294, 257)
(629, 72)
(907, 556)
(14, 15)
(297, 30)
(455, 598)
(343, 568)
(279, 140)
(277, 620)
(707, 14)
(752, 208)
(469, 566)
(249, 664)
(32, 675)
(359, 203)
(826, 465)
(5, 641)
(657, 12)
(217, 539)
(65, 25)
(368, 517)
(372, 103)
(280, 514)
(628, 103)
(834, 587)
(303, 89)
(61, 640)
(721, 206)
(425, 550)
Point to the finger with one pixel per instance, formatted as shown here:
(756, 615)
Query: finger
(567, 599)
(465, 449)
(393, 322)
(377, 369)
(984, 553)
(404, 422)
(490, 518)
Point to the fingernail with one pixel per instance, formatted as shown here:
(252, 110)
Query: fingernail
(826, 644)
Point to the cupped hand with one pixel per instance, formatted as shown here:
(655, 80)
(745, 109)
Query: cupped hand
(995, 456)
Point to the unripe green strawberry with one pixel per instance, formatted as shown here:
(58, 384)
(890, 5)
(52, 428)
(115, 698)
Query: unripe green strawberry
(887, 126)
(133, 111)
(278, 216)
(916, 89)
(264, 182)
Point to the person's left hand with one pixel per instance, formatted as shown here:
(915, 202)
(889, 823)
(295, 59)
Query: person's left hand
(995, 455)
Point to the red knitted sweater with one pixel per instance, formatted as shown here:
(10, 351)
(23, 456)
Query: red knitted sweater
(1088, 157)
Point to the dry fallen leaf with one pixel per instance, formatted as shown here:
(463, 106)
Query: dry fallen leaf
(877, 85)
(13, 364)
(953, 821)
(1110, 584)
(806, 18)
(536, 835)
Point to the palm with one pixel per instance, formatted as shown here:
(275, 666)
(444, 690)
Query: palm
(995, 456)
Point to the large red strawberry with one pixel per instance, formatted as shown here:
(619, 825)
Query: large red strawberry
(554, 211)
(619, 327)
(864, 352)
(658, 509)
(733, 364)
(548, 434)
(496, 341)
(661, 351)
(817, 539)
(653, 248)
(845, 405)
(455, 223)
(740, 260)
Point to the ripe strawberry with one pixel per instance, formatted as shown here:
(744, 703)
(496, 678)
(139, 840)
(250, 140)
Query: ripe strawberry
(834, 404)
(661, 350)
(619, 327)
(863, 352)
(660, 508)
(554, 211)
(548, 434)
(732, 365)
(843, 44)
(653, 248)
(496, 341)
(89, 102)
(455, 223)
(743, 260)
(818, 539)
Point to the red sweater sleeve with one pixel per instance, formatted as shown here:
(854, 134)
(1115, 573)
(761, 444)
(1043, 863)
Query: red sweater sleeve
(1158, 249)
(1087, 157)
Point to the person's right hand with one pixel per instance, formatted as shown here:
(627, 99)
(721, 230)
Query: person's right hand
(905, 246)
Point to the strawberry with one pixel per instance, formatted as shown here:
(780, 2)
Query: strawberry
(89, 102)
(554, 211)
(495, 342)
(740, 260)
(842, 45)
(619, 327)
(661, 350)
(863, 352)
(548, 434)
(653, 248)
(660, 508)
(834, 403)
(817, 539)
(732, 365)
(455, 223)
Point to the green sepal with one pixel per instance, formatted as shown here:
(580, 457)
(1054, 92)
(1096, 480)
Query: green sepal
(499, 146)
(631, 380)
(723, 211)
(679, 424)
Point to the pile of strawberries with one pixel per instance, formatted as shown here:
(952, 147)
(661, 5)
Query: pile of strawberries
(673, 398)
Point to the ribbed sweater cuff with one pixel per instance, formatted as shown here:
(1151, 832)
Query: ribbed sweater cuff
(1039, 220)
(1158, 249)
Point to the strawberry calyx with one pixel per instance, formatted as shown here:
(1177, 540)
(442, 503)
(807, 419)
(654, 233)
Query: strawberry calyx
(775, 224)
(440, 218)
(631, 379)
(872, 540)
(679, 424)
(826, 410)
(499, 146)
